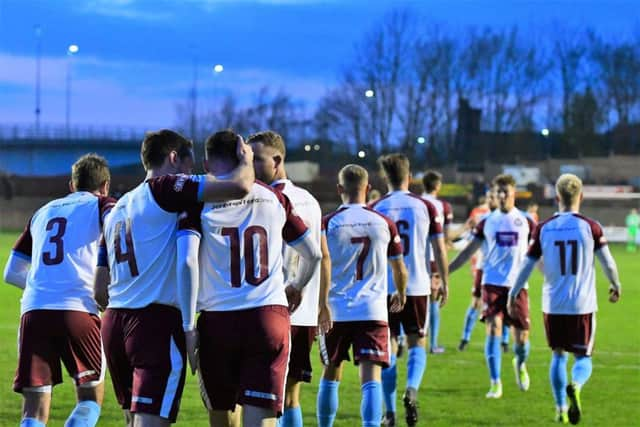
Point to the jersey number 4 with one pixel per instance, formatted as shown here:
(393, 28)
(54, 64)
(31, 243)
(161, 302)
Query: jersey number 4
(562, 248)
(249, 255)
(129, 256)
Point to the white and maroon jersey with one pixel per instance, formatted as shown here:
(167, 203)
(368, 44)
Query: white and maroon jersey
(140, 240)
(506, 236)
(445, 213)
(308, 208)
(568, 242)
(418, 222)
(241, 249)
(360, 241)
(61, 243)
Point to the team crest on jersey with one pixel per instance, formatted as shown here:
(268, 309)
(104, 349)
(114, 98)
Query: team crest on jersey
(517, 222)
(397, 239)
(179, 184)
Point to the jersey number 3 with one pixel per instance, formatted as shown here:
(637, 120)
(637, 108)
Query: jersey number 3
(47, 257)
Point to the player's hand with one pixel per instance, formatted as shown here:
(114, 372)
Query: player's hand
(102, 299)
(294, 297)
(325, 320)
(244, 151)
(192, 339)
(614, 293)
(396, 304)
(443, 294)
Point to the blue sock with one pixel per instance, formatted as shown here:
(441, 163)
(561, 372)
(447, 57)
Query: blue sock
(389, 384)
(469, 323)
(521, 351)
(31, 422)
(505, 334)
(493, 355)
(434, 324)
(291, 417)
(581, 370)
(416, 366)
(371, 405)
(558, 378)
(327, 402)
(85, 414)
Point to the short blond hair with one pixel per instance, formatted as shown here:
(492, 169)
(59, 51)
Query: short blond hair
(568, 188)
(352, 178)
(269, 138)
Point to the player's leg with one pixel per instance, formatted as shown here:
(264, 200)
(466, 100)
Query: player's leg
(558, 380)
(85, 362)
(415, 320)
(371, 353)
(472, 312)
(302, 338)
(38, 365)
(159, 364)
(390, 373)
(506, 331)
(493, 354)
(117, 361)
(35, 406)
(226, 418)
(264, 357)
(328, 400)
(582, 332)
(434, 317)
(371, 404)
(521, 344)
(389, 377)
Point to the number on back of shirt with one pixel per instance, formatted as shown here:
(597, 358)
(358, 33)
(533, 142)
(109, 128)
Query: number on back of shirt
(57, 255)
(570, 246)
(255, 237)
(127, 255)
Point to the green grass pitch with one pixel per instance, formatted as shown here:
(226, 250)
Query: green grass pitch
(453, 389)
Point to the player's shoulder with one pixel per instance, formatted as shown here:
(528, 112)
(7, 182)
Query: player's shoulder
(376, 216)
(592, 223)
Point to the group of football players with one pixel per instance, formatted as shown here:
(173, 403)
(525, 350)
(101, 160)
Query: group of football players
(236, 273)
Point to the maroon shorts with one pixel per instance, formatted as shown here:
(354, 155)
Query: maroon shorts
(244, 356)
(413, 316)
(574, 333)
(476, 289)
(302, 338)
(494, 299)
(145, 351)
(369, 338)
(48, 336)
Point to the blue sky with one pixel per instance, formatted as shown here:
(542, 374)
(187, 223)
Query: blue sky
(136, 56)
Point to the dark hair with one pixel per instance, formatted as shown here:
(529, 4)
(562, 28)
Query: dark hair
(269, 138)
(504, 179)
(395, 166)
(90, 172)
(222, 145)
(157, 145)
(430, 180)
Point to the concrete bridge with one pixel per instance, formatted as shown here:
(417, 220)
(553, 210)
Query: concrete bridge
(52, 157)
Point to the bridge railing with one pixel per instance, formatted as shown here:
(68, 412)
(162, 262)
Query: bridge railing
(60, 132)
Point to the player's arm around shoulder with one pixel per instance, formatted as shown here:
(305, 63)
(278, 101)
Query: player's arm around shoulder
(17, 268)
(238, 184)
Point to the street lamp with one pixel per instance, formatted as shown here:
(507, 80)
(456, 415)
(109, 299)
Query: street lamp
(361, 154)
(71, 51)
(369, 93)
(421, 140)
(307, 148)
(218, 68)
(544, 132)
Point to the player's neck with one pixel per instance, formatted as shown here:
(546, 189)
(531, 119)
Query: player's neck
(401, 187)
(280, 175)
(566, 209)
(356, 199)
